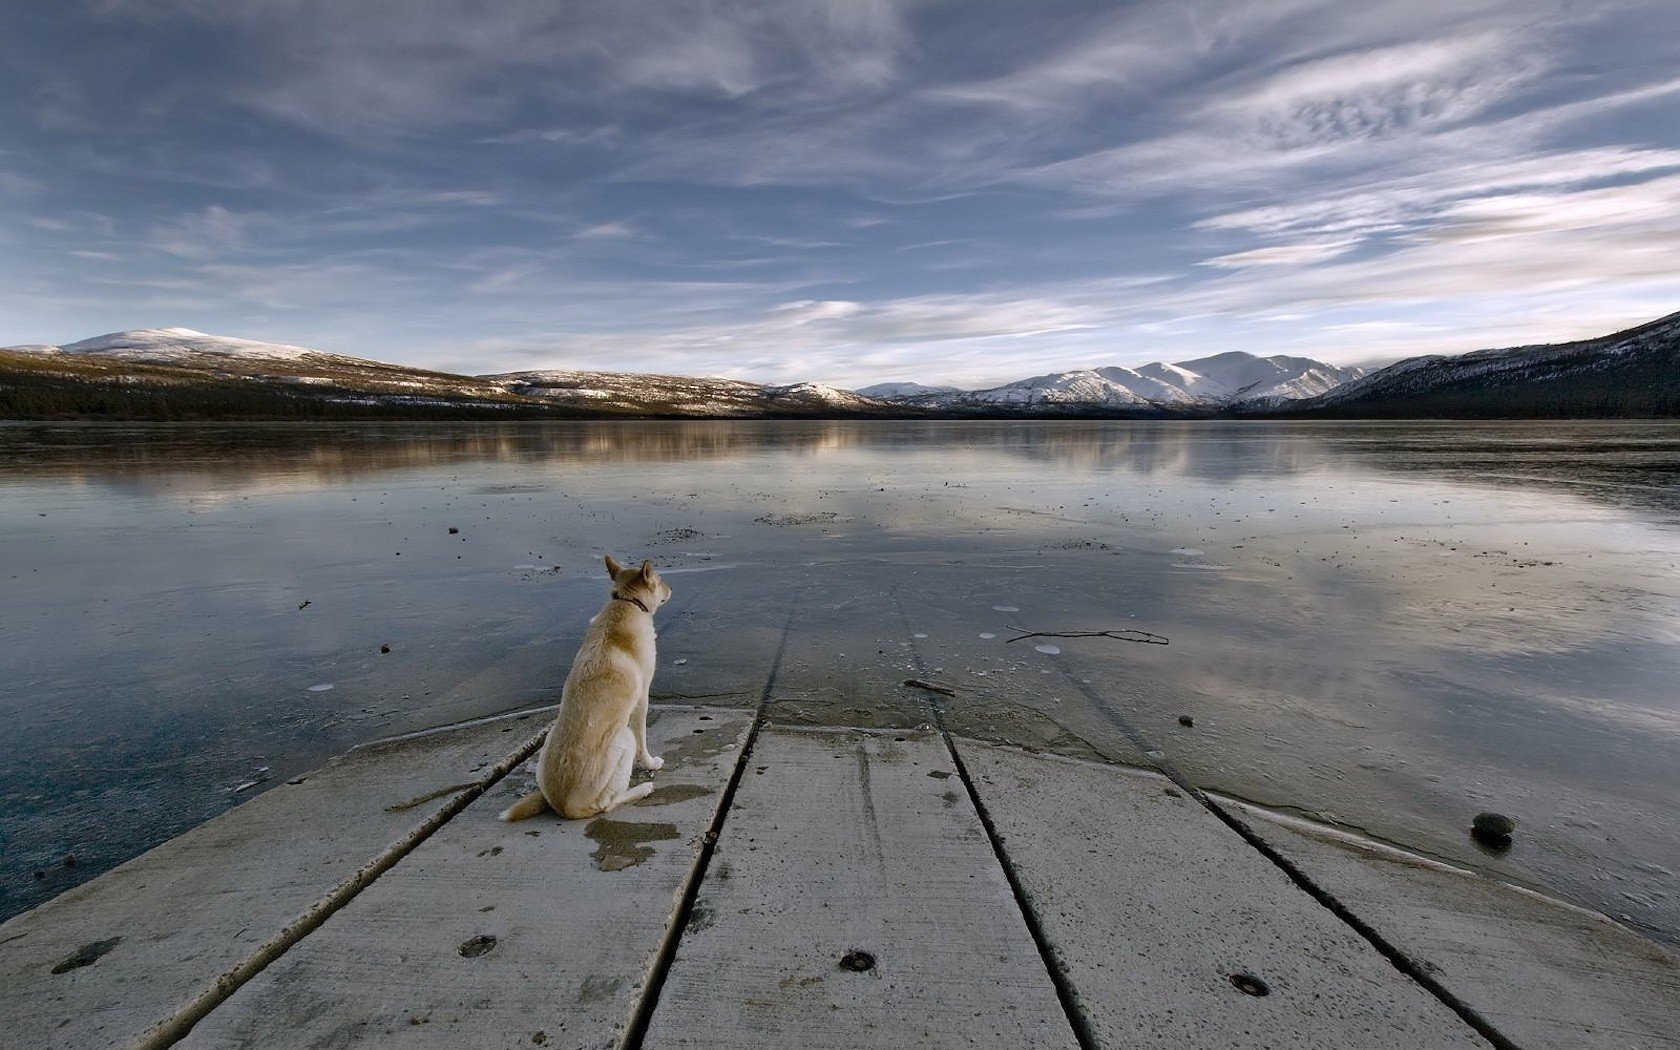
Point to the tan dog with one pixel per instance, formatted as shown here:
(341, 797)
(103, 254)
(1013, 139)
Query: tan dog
(584, 768)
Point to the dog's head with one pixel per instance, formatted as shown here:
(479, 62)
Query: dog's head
(643, 583)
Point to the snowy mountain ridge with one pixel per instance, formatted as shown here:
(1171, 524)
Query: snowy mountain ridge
(185, 345)
(1228, 380)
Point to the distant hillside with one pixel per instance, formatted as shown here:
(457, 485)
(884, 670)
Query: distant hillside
(897, 390)
(635, 393)
(1633, 373)
(177, 373)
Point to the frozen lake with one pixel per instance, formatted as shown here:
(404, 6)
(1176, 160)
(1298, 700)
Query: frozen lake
(1386, 626)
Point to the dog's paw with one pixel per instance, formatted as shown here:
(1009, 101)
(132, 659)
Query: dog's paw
(651, 762)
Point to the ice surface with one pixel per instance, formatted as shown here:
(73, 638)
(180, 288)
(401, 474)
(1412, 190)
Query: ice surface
(1335, 667)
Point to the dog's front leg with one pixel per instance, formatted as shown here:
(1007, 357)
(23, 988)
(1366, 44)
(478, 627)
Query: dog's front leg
(638, 727)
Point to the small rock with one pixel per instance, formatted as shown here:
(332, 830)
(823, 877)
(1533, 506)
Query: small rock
(1493, 830)
(473, 947)
(857, 962)
(1249, 984)
(1186, 721)
(69, 860)
(1494, 824)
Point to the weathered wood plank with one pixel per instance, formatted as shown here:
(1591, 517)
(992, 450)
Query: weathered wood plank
(847, 841)
(197, 907)
(1544, 973)
(490, 934)
(1151, 905)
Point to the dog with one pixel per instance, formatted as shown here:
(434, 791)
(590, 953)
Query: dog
(601, 731)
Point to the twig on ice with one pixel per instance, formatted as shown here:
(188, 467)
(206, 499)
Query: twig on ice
(1120, 635)
(932, 687)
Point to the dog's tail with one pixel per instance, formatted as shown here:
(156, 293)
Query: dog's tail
(529, 806)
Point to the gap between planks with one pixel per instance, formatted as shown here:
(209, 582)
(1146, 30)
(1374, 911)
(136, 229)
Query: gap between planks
(174, 1028)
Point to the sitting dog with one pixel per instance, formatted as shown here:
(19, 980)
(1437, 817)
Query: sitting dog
(584, 767)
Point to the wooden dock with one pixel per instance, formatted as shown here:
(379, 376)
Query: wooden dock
(804, 886)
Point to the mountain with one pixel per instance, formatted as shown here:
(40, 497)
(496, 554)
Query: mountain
(1237, 377)
(177, 372)
(892, 390)
(168, 373)
(1630, 373)
(183, 346)
(1228, 380)
(634, 393)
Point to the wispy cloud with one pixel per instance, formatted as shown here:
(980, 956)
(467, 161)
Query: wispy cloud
(1283, 254)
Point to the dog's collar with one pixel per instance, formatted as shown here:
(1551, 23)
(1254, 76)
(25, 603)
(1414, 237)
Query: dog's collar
(637, 602)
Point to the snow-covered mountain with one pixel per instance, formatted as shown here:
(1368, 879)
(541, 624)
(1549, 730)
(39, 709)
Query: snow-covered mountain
(1241, 377)
(184, 346)
(1635, 372)
(1234, 379)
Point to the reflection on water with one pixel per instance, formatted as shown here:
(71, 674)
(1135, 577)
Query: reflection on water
(1387, 625)
(1622, 463)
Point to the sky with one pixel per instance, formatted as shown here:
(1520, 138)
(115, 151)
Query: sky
(844, 191)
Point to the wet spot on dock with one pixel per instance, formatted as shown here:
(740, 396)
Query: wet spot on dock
(597, 989)
(86, 955)
(666, 794)
(798, 982)
(619, 843)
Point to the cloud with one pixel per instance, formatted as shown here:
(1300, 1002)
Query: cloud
(829, 340)
(1390, 203)
(1355, 110)
(806, 311)
(606, 231)
(1361, 95)
(383, 64)
(211, 232)
(1283, 254)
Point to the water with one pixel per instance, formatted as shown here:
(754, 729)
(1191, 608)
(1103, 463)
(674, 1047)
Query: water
(1387, 626)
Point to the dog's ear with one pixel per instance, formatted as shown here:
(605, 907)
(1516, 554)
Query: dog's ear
(613, 567)
(647, 571)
